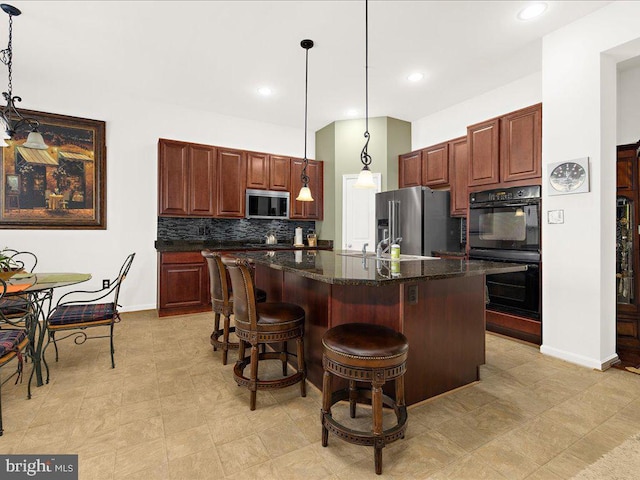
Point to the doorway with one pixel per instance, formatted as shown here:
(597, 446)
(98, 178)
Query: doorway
(359, 213)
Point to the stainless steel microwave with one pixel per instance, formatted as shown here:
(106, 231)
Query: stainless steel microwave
(267, 204)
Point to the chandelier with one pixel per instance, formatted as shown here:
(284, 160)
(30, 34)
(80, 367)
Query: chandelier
(10, 118)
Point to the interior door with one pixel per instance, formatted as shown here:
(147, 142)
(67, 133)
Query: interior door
(359, 213)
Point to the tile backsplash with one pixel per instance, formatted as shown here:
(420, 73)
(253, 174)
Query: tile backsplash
(170, 228)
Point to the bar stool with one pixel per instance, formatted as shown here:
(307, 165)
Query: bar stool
(264, 323)
(222, 303)
(361, 352)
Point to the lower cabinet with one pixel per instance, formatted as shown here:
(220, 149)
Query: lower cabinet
(183, 283)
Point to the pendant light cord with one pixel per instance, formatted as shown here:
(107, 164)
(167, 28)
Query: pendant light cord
(365, 158)
(306, 89)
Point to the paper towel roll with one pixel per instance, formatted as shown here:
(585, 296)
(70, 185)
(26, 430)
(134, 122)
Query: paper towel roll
(298, 238)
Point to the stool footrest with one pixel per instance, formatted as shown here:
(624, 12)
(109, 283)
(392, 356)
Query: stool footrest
(242, 381)
(359, 437)
(216, 342)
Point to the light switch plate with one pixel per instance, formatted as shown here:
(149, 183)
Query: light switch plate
(555, 216)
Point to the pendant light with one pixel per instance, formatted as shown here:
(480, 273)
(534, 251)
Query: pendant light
(305, 192)
(365, 178)
(10, 118)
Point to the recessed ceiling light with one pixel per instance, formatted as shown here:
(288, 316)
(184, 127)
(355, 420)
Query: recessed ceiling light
(415, 77)
(265, 91)
(532, 11)
(352, 112)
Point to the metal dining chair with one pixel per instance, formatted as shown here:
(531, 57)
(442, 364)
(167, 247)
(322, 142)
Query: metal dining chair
(79, 310)
(14, 343)
(17, 305)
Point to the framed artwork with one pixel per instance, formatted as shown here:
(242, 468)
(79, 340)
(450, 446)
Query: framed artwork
(568, 177)
(62, 187)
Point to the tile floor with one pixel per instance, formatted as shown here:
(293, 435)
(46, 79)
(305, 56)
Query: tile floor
(170, 410)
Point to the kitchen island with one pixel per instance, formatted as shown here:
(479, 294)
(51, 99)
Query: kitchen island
(438, 304)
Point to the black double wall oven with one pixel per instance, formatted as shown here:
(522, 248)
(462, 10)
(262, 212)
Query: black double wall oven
(504, 226)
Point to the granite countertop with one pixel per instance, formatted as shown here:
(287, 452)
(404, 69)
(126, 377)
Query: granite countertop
(244, 245)
(350, 268)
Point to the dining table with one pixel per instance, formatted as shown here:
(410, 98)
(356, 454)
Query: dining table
(37, 289)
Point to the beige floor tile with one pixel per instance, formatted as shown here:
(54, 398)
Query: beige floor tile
(471, 467)
(511, 463)
(303, 463)
(187, 442)
(100, 467)
(140, 431)
(238, 455)
(204, 464)
(283, 438)
(565, 465)
(142, 456)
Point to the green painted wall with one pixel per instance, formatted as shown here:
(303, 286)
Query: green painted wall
(339, 145)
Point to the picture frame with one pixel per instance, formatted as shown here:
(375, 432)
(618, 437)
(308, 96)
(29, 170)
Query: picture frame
(62, 187)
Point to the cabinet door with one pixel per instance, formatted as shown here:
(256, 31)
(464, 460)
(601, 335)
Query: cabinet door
(482, 141)
(314, 210)
(231, 181)
(279, 173)
(521, 144)
(184, 282)
(410, 169)
(257, 170)
(202, 172)
(458, 176)
(626, 165)
(435, 165)
(172, 178)
(307, 210)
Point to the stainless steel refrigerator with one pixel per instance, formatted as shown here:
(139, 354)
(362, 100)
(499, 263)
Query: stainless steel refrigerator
(420, 217)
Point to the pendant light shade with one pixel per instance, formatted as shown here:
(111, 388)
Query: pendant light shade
(365, 179)
(35, 140)
(305, 192)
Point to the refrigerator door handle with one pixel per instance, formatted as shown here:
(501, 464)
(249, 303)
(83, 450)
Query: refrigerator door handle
(398, 232)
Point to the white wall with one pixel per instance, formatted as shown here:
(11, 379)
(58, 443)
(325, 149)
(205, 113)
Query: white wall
(452, 122)
(628, 106)
(579, 120)
(133, 129)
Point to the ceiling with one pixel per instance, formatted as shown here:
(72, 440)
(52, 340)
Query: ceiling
(213, 55)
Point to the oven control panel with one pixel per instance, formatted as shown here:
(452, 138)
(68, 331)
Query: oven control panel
(531, 192)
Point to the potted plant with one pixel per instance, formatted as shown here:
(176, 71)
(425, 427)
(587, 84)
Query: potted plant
(8, 266)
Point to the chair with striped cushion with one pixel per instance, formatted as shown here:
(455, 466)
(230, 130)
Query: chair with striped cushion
(78, 310)
(14, 342)
(15, 306)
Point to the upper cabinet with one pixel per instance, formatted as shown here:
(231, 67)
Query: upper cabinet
(186, 178)
(231, 182)
(307, 210)
(268, 172)
(435, 165)
(506, 149)
(410, 169)
(458, 167)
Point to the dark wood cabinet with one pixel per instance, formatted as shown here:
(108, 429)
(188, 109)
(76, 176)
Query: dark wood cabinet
(307, 210)
(484, 153)
(268, 172)
(186, 179)
(628, 255)
(435, 165)
(506, 150)
(458, 176)
(521, 144)
(183, 283)
(410, 169)
(279, 173)
(231, 181)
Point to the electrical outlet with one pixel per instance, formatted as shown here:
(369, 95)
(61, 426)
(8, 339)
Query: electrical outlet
(106, 283)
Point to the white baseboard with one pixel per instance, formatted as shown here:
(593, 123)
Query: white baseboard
(597, 364)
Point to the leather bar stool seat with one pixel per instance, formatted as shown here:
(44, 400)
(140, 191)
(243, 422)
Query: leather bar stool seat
(258, 324)
(222, 303)
(360, 352)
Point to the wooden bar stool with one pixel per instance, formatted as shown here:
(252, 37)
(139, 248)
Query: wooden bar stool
(361, 352)
(222, 303)
(264, 323)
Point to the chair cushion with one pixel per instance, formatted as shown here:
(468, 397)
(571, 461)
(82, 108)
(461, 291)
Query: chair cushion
(13, 305)
(363, 340)
(70, 314)
(9, 340)
(277, 312)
